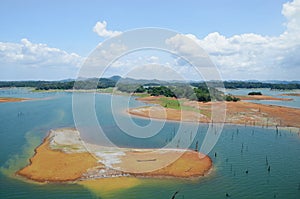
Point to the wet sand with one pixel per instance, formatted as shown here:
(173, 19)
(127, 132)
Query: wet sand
(105, 186)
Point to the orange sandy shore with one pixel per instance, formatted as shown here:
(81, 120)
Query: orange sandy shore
(262, 97)
(11, 99)
(291, 94)
(240, 112)
(48, 165)
(56, 166)
(190, 164)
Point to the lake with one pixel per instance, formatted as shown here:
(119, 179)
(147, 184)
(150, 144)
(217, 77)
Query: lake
(240, 156)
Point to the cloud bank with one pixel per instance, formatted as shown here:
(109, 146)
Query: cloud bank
(246, 56)
(253, 56)
(27, 60)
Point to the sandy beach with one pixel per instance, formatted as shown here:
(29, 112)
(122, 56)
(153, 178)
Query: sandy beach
(62, 158)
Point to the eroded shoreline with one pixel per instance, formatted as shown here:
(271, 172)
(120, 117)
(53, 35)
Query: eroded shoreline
(241, 113)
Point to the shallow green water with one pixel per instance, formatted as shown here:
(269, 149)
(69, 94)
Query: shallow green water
(239, 149)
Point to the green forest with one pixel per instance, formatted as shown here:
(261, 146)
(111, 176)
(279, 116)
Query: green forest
(200, 91)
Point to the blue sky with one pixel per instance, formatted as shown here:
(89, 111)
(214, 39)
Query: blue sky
(68, 26)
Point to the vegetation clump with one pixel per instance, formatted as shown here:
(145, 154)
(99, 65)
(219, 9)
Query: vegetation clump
(232, 98)
(255, 93)
(201, 93)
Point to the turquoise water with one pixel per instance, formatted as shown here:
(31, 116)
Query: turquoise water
(23, 125)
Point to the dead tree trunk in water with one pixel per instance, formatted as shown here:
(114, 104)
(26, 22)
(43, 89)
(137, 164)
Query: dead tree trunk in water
(196, 148)
(174, 195)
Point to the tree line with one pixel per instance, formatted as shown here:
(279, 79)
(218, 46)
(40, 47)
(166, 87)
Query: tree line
(201, 93)
(62, 85)
(179, 90)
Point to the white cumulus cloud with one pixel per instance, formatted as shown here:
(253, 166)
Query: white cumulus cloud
(26, 59)
(36, 55)
(291, 10)
(252, 56)
(101, 30)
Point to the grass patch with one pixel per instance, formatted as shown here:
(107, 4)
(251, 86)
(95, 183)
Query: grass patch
(141, 94)
(175, 104)
(106, 90)
(169, 103)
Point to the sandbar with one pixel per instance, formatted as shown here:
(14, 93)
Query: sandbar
(12, 99)
(62, 157)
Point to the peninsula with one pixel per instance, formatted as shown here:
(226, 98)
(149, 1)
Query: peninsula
(240, 112)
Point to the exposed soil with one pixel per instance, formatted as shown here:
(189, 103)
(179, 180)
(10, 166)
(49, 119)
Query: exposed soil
(240, 112)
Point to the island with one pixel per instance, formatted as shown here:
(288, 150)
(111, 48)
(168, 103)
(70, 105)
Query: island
(63, 157)
(12, 99)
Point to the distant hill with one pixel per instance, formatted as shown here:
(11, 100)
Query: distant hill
(115, 78)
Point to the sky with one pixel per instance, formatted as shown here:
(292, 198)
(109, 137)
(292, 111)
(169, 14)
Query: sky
(51, 39)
